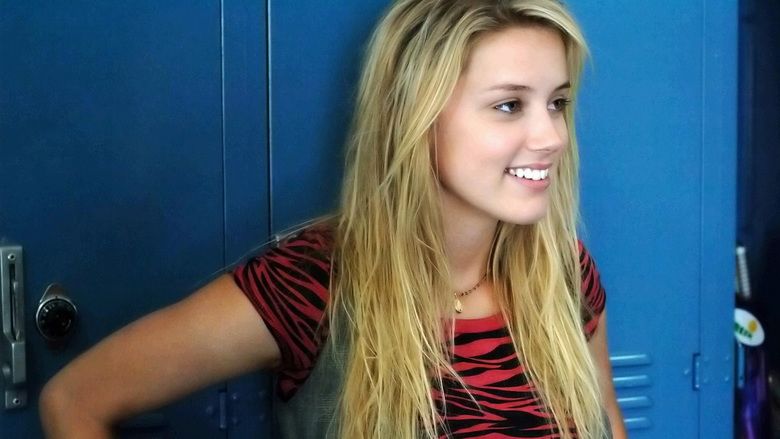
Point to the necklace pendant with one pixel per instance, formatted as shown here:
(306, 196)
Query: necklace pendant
(458, 306)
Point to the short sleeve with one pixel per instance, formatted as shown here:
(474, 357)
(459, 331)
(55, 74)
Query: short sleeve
(288, 286)
(594, 297)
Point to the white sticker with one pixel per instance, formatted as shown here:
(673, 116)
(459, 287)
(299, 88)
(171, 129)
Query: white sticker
(747, 328)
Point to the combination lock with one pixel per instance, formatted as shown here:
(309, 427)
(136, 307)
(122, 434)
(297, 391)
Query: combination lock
(56, 315)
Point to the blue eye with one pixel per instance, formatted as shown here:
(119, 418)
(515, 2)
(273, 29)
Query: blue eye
(559, 104)
(508, 107)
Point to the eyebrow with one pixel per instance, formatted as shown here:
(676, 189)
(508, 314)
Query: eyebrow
(519, 87)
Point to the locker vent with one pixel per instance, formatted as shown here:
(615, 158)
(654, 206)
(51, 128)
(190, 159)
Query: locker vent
(631, 376)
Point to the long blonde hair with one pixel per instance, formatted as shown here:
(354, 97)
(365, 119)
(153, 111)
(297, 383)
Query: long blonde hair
(391, 285)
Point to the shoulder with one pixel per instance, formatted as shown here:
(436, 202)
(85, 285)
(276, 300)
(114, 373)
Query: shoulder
(288, 285)
(306, 253)
(304, 256)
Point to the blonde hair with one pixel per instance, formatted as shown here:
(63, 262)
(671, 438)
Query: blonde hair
(391, 282)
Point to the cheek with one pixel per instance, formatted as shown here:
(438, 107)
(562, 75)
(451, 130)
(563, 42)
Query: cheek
(454, 141)
(465, 143)
(502, 142)
(475, 150)
(563, 132)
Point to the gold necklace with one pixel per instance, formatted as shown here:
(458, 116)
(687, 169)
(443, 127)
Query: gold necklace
(458, 305)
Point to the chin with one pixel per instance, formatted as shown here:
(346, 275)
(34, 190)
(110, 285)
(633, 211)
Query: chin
(524, 217)
(524, 221)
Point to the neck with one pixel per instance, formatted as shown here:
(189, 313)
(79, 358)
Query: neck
(467, 242)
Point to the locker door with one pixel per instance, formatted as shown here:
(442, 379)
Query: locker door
(311, 60)
(247, 219)
(316, 52)
(657, 135)
(112, 165)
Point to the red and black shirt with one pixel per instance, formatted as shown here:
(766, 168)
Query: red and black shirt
(288, 285)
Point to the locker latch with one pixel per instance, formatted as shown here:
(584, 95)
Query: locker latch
(13, 359)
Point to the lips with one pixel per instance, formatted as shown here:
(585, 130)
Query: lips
(539, 166)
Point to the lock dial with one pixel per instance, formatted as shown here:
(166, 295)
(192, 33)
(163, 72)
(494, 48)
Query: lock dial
(56, 316)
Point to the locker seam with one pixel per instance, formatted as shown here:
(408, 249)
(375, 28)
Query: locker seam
(222, 128)
(269, 117)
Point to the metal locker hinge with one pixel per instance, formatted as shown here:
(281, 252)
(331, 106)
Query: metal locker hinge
(223, 424)
(13, 360)
(696, 371)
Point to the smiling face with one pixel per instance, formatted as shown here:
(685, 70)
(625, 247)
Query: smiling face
(501, 134)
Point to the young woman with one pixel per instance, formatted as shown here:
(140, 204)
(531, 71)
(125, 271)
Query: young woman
(449, 295)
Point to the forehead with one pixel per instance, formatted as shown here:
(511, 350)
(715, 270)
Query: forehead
(533, 56)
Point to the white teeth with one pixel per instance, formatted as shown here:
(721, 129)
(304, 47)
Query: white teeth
(530, 174)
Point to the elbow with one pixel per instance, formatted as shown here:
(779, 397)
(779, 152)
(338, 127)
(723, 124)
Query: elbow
(51, 404)
(55, 405)
(63, 416)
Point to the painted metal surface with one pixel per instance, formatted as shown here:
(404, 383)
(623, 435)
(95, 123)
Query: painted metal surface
(657, 129)
(316, 50)
(111, 146)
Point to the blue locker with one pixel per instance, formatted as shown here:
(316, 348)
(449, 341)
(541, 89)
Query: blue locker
(112, 158)
(658, 139)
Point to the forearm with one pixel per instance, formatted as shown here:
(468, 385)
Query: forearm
(615, 417)
(209, 337)
(71, 429)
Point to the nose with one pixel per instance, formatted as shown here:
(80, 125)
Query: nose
(547, 131)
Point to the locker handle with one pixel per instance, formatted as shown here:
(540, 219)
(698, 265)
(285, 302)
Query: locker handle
(14, 367)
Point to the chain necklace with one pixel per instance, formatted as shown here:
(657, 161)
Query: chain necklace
(458, 305)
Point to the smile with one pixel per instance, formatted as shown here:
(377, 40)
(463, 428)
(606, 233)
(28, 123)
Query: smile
(529, 174)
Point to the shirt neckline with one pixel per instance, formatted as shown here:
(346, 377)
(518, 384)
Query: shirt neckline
(480, 324)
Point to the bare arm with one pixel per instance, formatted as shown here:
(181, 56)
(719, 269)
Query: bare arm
(598, 349)
(210, 336)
